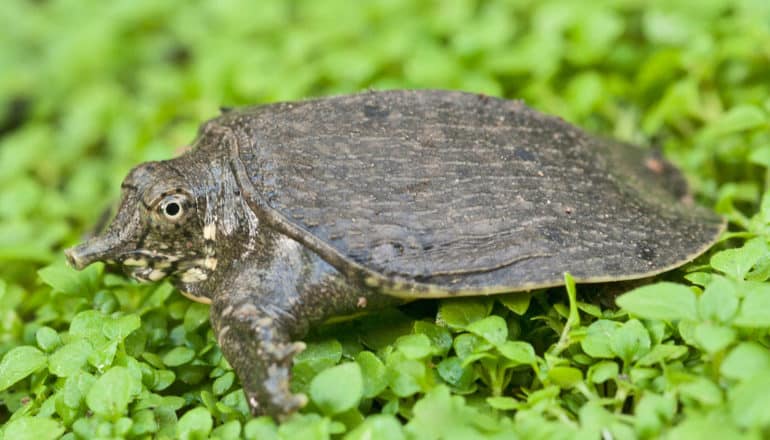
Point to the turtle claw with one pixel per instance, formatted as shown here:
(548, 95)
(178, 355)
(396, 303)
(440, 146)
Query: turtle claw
(294, 349)
(273, 397)
(294, 402)
(270, 393)
(290, 404)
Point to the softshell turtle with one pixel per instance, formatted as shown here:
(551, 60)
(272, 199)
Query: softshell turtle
(284, 215)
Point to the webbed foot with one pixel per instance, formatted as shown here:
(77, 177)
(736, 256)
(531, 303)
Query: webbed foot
(270, 394)
(260, 350)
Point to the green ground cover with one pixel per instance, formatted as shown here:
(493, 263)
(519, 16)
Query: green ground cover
(90, 88)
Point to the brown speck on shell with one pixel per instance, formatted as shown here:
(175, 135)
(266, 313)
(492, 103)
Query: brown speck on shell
(654, 164)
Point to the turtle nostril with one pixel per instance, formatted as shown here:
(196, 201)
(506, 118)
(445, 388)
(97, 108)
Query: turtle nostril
(71, 259)
(87, 253)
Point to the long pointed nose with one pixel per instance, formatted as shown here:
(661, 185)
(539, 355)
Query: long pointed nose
(95, 249)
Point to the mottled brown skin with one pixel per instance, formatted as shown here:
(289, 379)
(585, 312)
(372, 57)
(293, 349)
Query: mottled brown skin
(265, 289)
(284, 215)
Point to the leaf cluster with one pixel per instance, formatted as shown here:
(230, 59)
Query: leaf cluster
(85, 96)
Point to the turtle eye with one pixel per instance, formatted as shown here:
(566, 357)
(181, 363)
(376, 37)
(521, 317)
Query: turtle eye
(172, 208)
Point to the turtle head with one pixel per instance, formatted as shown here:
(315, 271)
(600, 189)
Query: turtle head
(159, 230)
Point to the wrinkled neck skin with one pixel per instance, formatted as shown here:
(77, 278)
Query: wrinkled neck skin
(231, 231)
(257, 265)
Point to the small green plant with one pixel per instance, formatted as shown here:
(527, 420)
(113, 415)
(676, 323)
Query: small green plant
(83, 97)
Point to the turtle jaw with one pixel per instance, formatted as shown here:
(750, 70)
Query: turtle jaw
(143, 266)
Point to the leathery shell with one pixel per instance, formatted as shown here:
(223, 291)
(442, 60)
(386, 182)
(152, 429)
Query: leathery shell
(437, 193)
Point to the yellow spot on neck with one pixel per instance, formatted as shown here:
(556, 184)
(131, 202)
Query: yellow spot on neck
(137, 262)
(193, 275)
(210, 231)
(198, 299)
(156, 275)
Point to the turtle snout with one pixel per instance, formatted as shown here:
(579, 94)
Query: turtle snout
(76, 257)
(89, 252)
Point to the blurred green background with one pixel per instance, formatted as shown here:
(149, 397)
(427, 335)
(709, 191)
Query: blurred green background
(90, 88)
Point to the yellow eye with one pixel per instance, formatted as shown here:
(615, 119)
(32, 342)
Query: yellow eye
(172, 208)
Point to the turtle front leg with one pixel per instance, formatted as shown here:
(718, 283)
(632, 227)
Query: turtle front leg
(257, 343)
(261, 304)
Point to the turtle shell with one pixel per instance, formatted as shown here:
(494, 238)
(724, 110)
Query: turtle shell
(437, 193)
